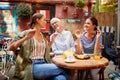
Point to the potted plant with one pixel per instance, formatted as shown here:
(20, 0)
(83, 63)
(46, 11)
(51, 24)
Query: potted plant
(75, 15)
(24, 12)
(80, 3)
(65, 8)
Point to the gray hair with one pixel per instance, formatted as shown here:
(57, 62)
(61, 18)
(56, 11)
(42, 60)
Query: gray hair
(54, 20)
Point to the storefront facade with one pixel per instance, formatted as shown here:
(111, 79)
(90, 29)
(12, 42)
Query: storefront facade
(71, 16)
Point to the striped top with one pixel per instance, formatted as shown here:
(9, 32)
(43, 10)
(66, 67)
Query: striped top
(88, 45)
(38, 50)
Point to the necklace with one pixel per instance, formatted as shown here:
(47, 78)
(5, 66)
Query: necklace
(39, 37)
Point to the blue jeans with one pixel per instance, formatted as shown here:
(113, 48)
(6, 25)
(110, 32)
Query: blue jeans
(43, 70)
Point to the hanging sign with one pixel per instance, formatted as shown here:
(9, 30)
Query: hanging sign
(73, 20)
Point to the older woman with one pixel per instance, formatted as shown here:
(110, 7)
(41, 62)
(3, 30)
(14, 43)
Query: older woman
(33, 59)
(61, 40)
(90, 41)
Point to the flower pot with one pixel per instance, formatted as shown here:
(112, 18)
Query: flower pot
(65, 8)
(75, 15)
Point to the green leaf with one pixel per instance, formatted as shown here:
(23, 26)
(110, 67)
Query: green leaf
(23, 10)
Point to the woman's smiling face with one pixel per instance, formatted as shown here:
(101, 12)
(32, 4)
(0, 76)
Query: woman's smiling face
(88, 26)
(43, 22)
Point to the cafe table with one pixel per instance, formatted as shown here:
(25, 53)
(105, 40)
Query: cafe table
(80, 64)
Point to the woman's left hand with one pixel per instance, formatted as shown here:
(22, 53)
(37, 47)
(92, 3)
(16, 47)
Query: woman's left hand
(99, 34)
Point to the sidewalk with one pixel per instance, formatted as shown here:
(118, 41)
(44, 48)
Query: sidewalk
(110, 68)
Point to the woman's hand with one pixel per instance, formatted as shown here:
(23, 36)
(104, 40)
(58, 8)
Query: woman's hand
(52, 54)
(99, 34)
(30, 34)
(52, 40)
(77, 33)
(54, 36)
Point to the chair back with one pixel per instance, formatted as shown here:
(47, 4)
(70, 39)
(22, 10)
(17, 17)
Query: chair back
(108, 39)
(108, 36)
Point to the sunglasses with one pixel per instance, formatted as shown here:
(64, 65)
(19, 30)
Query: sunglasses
(53, 23)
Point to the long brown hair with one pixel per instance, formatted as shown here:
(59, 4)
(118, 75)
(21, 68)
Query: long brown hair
(94, 22)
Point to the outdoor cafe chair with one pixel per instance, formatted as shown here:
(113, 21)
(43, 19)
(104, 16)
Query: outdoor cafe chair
(108, 40)
(7, 57)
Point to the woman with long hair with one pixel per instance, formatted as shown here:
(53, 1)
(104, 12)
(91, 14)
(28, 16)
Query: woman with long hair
(33, 60)
(89, 41)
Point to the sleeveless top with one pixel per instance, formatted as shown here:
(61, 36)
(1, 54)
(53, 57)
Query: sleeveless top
(38, 49)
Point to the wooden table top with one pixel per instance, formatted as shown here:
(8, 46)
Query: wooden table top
(84, 64)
